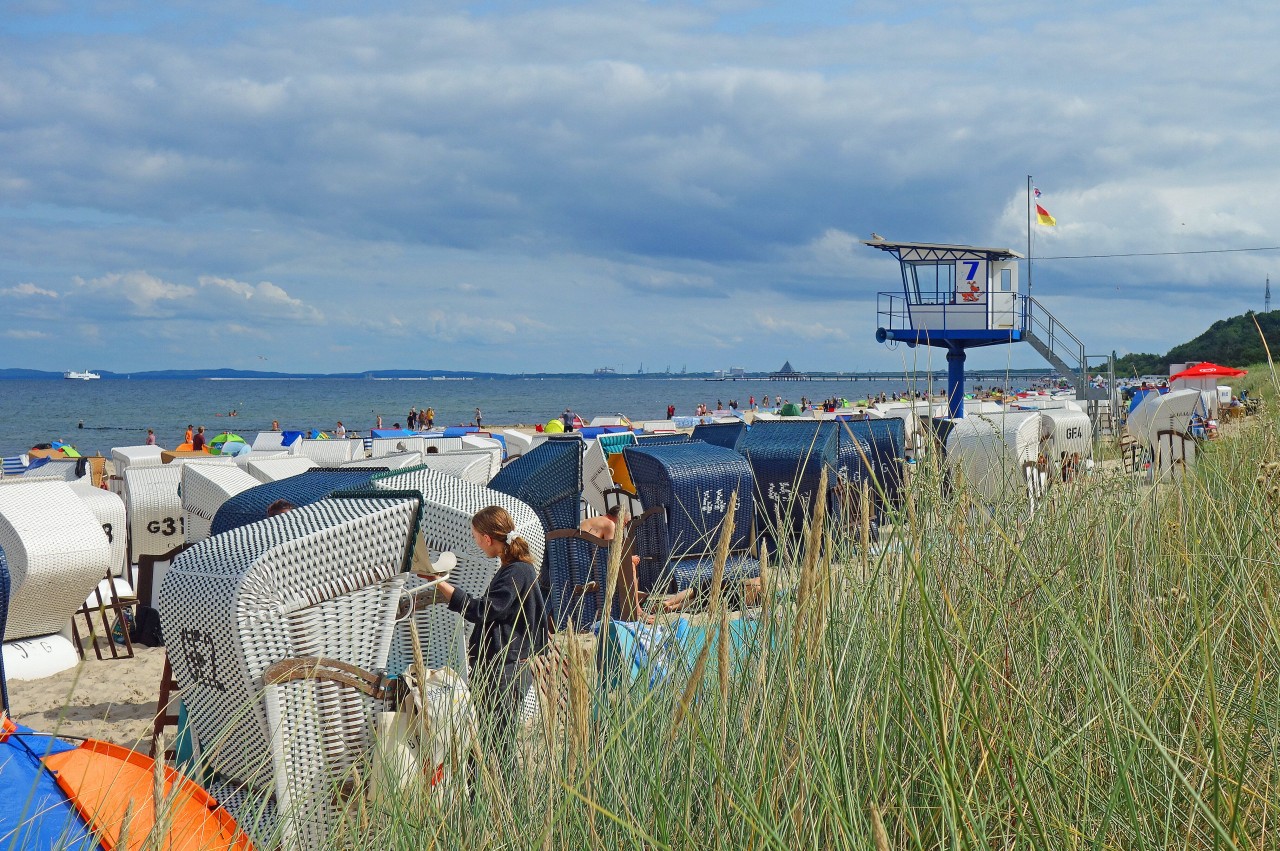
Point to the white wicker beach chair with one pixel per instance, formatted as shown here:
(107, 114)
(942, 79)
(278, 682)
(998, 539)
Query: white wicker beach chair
(596, 477)
(471, 467)
(447, 508)
(268, 440)
(204, 488)
(399, 461)
(275, 469)
(322, 580)
(62, 469)
(485, 444)
(326, 452)
(518, 443)
(383, 446)
(109, 509)
(154, 509)
(56, 553)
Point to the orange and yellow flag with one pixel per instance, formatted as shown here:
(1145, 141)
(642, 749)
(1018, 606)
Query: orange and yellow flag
(1043, 217)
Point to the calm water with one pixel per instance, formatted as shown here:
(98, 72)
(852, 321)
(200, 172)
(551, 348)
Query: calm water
(119, 412)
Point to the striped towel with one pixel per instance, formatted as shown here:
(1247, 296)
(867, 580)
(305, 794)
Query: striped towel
(15, 465)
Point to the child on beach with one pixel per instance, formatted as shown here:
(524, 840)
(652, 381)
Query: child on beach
(510, 620)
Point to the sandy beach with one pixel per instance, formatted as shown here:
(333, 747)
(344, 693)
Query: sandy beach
(111, 699)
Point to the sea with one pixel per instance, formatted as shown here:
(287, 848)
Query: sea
(95, 416)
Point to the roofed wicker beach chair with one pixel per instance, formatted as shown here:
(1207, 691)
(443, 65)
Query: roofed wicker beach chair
(382, 446)
(250, 506)
(124, 457)
(549, 480)
(448, 504)
(397, 461)
(321, 582)
(275, 469)
(334, 451)
(269, 441)
(154, 509)
(884, 442)
(685, 488)
(205, 487)
(787, 458)
(471, 467)
(727, 435)
(55, 553)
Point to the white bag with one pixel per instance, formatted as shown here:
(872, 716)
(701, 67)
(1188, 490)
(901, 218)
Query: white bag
(426, 741)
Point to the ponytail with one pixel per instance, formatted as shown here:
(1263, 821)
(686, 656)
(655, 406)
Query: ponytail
(495, 522)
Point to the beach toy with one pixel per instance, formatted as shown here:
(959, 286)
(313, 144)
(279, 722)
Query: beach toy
(219, 443)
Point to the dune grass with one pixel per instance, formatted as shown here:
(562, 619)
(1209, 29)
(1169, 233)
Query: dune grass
(1102, 675)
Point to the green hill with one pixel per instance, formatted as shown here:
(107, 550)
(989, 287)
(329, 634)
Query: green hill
(1230, 342)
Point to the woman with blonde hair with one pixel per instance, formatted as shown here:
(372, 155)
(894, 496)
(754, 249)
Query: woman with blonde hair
(509, 619)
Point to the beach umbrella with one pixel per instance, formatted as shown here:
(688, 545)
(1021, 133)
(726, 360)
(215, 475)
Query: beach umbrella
(218, 444)
(1209, 370)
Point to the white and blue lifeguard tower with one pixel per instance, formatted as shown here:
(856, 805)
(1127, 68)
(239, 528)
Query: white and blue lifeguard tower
(960, 297)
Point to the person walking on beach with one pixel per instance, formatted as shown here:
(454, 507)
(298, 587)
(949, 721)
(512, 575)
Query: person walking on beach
(509, 619)
(379, 425)
(189, 432)
(479, 419)
(197, 442)
(341, 430)
(431, 417)
(671, 411)
(151, 438)
(567, 419)
(412, 420)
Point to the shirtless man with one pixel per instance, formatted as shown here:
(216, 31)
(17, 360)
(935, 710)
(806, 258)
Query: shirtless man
(604, 526)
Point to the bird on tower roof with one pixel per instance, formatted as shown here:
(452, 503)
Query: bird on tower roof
(876, 237)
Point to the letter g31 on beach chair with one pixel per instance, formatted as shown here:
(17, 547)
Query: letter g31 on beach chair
(685, 489)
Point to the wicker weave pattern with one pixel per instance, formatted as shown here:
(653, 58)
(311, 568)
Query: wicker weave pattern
(124, 457)
(787, 458)
(204, 488)
(661, 439)
(154, 509)
(303, 489)
(447, 508)
(399, 461)
(720, 434)
(63, 469)
(268, 440)
(109, 510)
(56, 554)
(469, 466)
(383, 446)
(693, 482)
(885, 442)
(333, 451)
(549, 480)
(275, 469)
(4, 617)
(614, 443)
(320, 580)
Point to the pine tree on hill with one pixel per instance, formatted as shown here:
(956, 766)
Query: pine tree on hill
(1230, 342)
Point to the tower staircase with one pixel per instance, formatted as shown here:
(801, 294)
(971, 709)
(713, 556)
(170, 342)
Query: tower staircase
(1065, 352)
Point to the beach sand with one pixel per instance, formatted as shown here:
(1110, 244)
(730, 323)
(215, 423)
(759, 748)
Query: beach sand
(112, 699)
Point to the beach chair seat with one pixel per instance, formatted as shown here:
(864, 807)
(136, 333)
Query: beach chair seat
(596, 478)
(55, 553)
(332, 451)
(275, 469)
(686, 489)
(448, 504)
(250, 506)
(549, 480)
(322, 580)
(204, 488)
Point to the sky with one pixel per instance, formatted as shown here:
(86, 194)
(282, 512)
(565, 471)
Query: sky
(559, 186)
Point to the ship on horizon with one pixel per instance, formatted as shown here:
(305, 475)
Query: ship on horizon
(80, 376)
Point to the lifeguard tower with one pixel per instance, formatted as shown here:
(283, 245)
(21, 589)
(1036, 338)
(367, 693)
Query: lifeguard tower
(959, 297)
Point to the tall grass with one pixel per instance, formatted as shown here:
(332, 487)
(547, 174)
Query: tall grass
(1101, 675)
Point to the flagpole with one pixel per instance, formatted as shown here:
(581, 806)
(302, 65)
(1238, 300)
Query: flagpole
(1028, 236)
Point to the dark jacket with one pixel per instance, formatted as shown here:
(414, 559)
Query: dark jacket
(510, 619)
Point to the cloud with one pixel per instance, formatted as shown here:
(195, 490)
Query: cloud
(264, 300)
(24, 334)
(146, 295)
(28, 289)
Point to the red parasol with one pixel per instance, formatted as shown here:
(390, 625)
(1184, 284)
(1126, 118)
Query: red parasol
(1209, 370)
